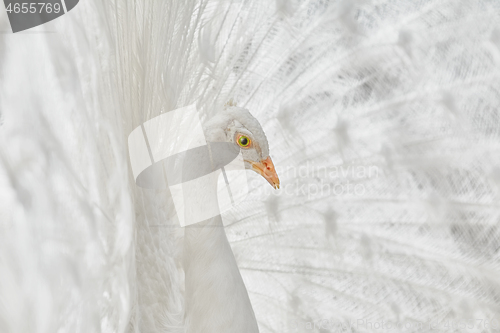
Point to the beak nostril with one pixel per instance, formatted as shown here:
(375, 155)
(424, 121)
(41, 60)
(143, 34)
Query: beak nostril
(266, 169)
(267, 166)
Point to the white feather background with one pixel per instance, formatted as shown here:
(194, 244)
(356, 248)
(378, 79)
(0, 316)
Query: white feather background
(383, 122)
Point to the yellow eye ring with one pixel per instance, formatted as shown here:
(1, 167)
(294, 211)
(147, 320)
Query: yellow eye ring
(243, 141)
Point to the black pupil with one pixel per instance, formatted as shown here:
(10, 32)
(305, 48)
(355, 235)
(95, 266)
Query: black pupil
(244, 141)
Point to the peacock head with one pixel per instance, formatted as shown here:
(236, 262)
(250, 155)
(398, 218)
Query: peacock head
(236, 125)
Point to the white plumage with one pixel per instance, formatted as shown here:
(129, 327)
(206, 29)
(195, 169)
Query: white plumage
(382, 121)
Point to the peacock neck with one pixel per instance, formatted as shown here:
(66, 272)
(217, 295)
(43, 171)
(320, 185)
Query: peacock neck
(216, 299)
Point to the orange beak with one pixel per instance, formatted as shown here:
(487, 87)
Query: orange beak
(266, 169)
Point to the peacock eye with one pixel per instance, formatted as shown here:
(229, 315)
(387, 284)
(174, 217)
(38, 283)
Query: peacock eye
(243, 141)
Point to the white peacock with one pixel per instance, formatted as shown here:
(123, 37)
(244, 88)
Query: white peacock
(406, 88)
